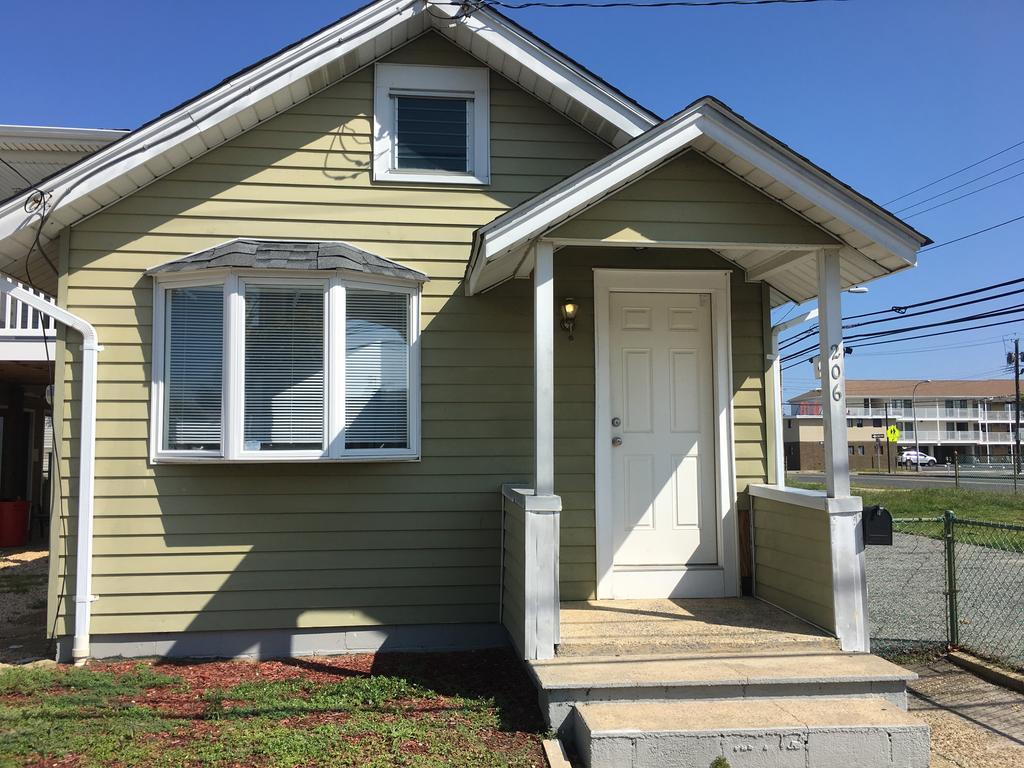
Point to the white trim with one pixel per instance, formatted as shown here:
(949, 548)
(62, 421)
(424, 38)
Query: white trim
(831, 351)
(717, 284)
(275, 85)
(392, 80)
(544, 369)
(86, 457)
(232, 414)
(509, 232)
(550, 66)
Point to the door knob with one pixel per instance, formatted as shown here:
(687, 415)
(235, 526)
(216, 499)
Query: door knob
(616, 441)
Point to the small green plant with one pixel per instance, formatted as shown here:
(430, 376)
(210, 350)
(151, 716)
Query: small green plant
(719, 762)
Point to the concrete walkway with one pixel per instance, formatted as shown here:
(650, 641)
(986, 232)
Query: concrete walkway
(974, 723)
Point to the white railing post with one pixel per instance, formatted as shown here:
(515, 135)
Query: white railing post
(849, 576)
(833, 374)
(544, 368)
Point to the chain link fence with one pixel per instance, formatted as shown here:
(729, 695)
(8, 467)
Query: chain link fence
(949, 582)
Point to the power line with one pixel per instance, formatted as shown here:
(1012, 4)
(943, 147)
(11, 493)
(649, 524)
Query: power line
(921, 336)
(966, 194)
(1017, 308)
(954, 173)
(901, 311)
(628, 4)
(958, 186)
(972, 234)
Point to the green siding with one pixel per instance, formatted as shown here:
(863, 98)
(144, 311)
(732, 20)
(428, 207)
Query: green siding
(691, 199)
(218, 547)
(305, 545)
(793, 560)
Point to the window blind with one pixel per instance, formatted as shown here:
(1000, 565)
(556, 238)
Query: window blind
(193, 383)
(376, 369)
(284, 367)
(432, 133)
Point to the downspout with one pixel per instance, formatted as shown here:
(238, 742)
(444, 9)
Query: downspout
(87, 457)
(780, 457)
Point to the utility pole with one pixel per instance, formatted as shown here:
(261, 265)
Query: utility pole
(1016, 408)
(888, 442)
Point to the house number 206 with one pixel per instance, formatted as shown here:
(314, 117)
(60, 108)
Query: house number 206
(836, 372)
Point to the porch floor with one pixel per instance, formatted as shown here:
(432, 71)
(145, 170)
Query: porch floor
(701, 626)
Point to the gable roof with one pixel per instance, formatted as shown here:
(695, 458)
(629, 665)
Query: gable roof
(290, 76)
(875, 242)
(31, 153)
(248, 253)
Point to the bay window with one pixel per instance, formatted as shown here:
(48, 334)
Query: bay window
(264, 366)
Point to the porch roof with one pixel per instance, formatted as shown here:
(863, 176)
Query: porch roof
(872, 242)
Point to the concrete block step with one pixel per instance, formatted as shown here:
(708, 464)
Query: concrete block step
(563, 682)
(795, 732)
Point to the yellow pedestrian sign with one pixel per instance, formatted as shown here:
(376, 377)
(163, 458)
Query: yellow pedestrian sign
(893, 433)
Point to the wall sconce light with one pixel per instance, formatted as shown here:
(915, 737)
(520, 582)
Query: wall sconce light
(569, 309)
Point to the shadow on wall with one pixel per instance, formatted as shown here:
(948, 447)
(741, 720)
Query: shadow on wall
(270, 560)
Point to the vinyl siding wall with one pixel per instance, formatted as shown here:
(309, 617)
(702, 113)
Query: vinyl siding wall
(793, 560)
(217, 547)
(220, 547)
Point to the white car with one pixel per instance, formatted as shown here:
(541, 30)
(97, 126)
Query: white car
(909, 458)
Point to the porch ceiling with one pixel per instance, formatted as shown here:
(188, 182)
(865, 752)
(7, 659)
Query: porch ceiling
(871, 241)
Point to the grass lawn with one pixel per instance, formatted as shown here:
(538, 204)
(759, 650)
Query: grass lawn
(933, 502)
(456, 709)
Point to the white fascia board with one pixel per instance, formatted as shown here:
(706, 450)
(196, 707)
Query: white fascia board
(809, 183)
(209, 111)
(579, 191)
(549, 66)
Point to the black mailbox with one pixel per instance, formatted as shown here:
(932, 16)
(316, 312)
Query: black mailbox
(877, 525)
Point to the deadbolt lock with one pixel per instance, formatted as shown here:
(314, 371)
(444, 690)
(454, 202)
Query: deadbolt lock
(616, 422)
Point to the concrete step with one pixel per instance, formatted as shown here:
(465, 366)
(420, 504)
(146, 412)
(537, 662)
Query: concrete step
(808, 732)
(563, 682)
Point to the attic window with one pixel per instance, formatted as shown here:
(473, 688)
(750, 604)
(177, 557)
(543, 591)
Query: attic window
(431, 124)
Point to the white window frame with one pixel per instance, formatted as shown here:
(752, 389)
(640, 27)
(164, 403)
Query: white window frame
(233, 397)
(393, 80)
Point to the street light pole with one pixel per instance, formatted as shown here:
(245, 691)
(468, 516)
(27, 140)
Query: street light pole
(913, 414)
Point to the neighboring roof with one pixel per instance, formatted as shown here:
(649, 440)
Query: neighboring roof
(875, 242)
(34, 152)
(290, 76)
(905, 388)
(290, 254)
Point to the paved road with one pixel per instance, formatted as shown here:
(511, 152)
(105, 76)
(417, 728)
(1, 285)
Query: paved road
(981, 480)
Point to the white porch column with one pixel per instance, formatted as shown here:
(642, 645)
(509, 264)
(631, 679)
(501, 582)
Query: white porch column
(544, 369)
(833, 374)
(849, 577)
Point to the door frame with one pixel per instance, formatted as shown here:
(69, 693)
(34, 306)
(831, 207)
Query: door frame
(723, 579)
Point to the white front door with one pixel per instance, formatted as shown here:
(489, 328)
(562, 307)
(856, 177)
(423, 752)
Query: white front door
(664, 513)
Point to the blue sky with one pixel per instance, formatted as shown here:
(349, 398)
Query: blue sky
(885, 94)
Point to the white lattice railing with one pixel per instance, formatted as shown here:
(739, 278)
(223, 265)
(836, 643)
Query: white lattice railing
(18, 319)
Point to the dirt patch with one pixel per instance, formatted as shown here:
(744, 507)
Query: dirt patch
(23, 577)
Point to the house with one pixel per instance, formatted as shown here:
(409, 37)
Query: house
(417, 334)
(28, 154)
(969, 421)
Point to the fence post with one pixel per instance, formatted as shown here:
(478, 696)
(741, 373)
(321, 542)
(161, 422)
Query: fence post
(956, 468)
(949, 538)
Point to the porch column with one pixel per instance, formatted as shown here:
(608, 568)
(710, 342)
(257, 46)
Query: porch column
(849, 577)
(833, 374)
(544, 369)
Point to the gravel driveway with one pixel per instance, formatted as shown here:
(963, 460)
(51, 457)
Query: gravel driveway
(907, 603)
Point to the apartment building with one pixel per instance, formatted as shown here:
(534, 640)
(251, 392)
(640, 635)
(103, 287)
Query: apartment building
(972, 419)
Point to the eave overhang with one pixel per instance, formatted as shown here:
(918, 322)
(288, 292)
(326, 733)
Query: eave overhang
(873, 242)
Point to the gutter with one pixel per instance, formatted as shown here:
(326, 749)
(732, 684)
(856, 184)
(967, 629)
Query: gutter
(774, 357)
(87, 457)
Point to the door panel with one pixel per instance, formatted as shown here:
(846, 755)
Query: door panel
(663, 471)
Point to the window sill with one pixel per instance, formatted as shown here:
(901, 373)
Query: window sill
(406, 458)
(424, 177)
